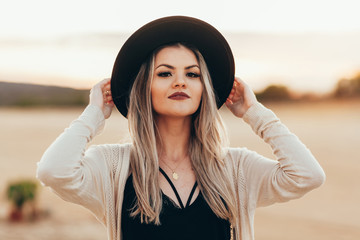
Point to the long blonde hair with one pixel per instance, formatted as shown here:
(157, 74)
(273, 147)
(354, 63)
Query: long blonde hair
(206, 149)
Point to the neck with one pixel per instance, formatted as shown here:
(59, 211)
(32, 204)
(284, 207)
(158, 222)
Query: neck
(174, 138)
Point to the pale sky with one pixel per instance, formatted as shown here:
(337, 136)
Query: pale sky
(286, 50)
(44, 18)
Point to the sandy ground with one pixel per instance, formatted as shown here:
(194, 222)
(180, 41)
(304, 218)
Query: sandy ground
(331, 130)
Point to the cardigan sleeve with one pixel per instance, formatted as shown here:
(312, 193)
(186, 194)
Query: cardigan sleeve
(295, 171)
(75, 174)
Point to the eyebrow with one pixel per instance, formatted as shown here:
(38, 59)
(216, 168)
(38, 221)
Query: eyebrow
(172, 67)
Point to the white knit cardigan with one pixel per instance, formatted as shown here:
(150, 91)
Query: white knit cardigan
(95, 177)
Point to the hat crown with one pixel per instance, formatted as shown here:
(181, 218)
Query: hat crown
(141, 44)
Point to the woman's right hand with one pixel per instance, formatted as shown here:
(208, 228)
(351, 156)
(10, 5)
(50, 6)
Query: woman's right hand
(100, 95)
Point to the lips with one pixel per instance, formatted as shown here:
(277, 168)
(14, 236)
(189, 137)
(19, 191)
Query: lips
(179, 96)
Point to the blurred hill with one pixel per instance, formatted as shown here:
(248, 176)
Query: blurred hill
(28, 95)
(23, 95)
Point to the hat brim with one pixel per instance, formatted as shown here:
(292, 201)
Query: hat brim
(209, 41)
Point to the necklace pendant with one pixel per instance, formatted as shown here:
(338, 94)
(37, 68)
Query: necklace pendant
(175, 176)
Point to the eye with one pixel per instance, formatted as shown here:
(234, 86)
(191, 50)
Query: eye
(192, 75)
(164, 74)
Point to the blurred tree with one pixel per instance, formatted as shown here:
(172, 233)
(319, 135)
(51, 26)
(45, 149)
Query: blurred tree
(19, 193)
(274, 93)
(348, 87)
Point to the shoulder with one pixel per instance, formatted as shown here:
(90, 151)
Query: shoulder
(114, 157)
(111, 147)
(238, 158)
(234, 157)
(110, 152)
(237, 154)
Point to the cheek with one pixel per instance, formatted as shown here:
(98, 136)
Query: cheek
(156, 94)
(198, 91)
(153, 95)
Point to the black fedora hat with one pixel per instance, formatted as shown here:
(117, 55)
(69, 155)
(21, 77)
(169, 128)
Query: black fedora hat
(209, 41)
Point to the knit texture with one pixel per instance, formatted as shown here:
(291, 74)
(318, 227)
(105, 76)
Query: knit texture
(95, 177)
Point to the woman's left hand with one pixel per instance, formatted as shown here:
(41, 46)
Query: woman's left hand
(100, 95)
(241, 98)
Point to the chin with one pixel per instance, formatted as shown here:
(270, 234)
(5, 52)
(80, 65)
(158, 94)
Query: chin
(176, 111)
(180, 114)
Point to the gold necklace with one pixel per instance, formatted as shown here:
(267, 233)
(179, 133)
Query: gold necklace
(175, 175)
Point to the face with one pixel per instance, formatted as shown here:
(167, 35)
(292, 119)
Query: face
(176, 87)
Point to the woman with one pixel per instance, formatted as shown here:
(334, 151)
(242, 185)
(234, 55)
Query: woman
(177, 179)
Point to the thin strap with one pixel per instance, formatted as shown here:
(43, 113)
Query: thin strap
(191, 194)
(173, 187)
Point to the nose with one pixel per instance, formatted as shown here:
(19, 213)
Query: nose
(179, 82)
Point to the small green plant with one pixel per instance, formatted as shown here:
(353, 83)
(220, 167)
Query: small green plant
(18, 194)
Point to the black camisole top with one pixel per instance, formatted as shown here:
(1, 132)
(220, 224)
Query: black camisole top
(195, 221)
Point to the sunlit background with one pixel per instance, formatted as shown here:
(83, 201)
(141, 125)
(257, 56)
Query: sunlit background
(307, 45)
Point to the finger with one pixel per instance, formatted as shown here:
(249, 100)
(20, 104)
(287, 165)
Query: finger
(107, 88)
(105, 81)
(108, 97)
(228, 100)
(109, 104)
(106, 93)
(104, 84)
(231, 94)
(233, 91)
(100, 85)
(241, 85)
(238, 80)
